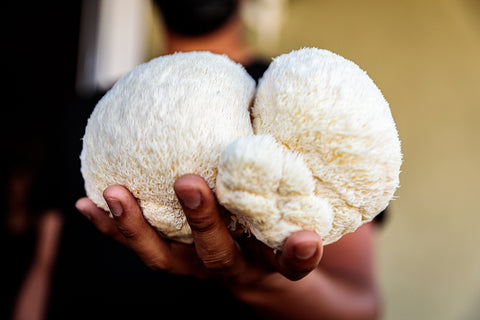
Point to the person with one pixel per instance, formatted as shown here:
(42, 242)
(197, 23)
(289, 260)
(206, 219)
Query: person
(134, 272)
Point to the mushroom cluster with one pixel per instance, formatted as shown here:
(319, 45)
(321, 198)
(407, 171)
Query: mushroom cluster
(313, 147)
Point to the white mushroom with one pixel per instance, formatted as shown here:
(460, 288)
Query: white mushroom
(331, 158)
(323, 153)
(171, 116)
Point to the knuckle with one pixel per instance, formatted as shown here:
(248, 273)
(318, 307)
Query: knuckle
(221, 262)
(202, 224)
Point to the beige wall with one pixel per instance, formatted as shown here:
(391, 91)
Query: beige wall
(425, 57)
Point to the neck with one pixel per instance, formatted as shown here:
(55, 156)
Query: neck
(229, 40)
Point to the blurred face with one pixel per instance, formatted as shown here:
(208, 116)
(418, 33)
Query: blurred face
(195, 17)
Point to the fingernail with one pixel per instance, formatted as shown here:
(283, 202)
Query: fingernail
(115, 206)
(305, 251)
(192, 199)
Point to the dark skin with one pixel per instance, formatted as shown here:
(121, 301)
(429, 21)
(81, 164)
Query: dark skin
(215, 252)
(338, 286)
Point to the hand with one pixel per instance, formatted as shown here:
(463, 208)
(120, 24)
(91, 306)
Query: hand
(215, 253)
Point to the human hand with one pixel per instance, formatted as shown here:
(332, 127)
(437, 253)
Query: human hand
(215, 253)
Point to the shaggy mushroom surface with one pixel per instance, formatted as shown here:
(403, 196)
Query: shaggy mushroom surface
(313, 147)
(165, 118)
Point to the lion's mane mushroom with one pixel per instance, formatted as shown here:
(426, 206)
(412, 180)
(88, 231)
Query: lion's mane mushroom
(325, 156)
(165, 118)
(323, 153)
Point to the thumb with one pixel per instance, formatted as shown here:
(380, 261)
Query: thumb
(301, 254)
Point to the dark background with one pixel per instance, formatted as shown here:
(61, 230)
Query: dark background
(39, 68)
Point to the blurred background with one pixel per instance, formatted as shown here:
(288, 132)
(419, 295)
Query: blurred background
(423, 54)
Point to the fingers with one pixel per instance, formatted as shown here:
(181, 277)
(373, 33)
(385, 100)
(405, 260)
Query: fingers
(213, 242)
(138, 234)
(99, 218)
(130, 228)
(301, 254)
(215, 250)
